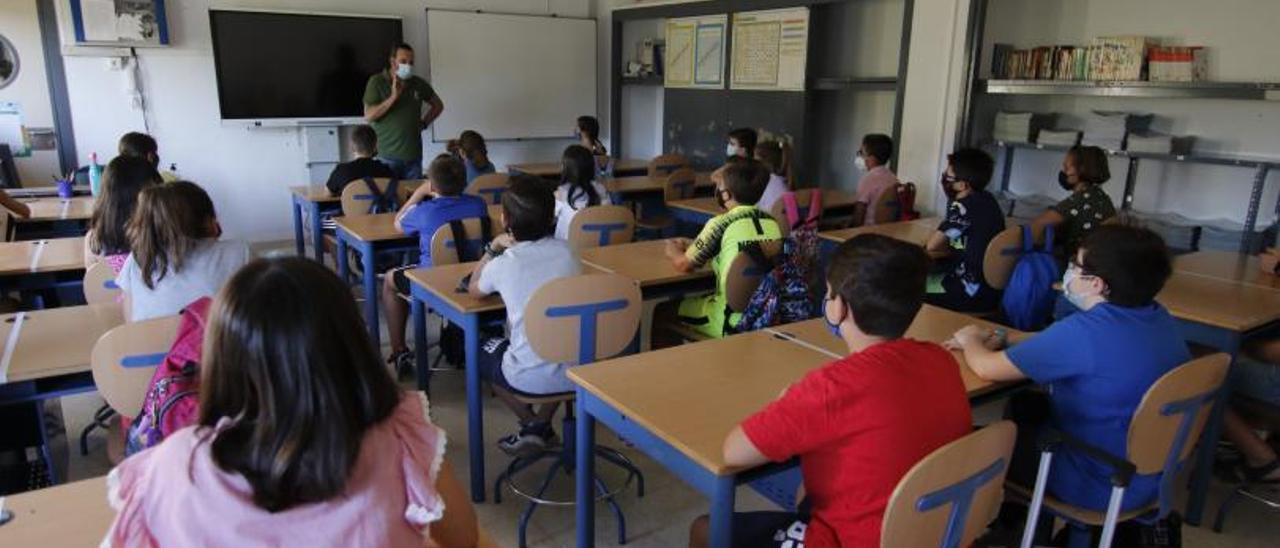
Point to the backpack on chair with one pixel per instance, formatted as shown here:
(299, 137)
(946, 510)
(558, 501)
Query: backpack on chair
(907, 202)
(172, 400)
(786, 293)
(452, 339)
(1029, 296)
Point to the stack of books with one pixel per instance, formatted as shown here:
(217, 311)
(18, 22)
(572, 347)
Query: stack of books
(1159, 143)
(1118, 58)
(1107, 129)
(1020, 127)
(1059, 137)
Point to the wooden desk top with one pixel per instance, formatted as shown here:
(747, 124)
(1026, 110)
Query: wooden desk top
(74, 514)
(644, 183)
(1224, 304)
(831, 199)
(645, 262)
(1227, 266)
(552, 169)
(56, 341)
(443, 282)
(932, 324)
(747, 372)
(382, 227)
(40, 256)
(57, 209)
(916, 232)
(718, 383)
(320, 193)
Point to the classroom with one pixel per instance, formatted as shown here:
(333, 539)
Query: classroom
(655, 273)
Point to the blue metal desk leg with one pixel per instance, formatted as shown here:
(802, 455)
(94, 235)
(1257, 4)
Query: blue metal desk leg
(297, 228)
(317, 231)
(344, 270)
(370, 293)
(420, 342)
(722, 512)
(1202, 472)
(475, 415)
(585, 488)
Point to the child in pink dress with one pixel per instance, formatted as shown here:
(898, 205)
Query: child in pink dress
(303, 438)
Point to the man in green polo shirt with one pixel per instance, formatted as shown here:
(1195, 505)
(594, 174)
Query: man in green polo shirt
(393, 106)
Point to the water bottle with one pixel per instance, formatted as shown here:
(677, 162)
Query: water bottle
(95, 174)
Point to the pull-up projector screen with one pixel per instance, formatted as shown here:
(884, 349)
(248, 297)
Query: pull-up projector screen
(511, 76)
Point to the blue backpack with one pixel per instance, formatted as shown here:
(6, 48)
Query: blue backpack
(1028, 299)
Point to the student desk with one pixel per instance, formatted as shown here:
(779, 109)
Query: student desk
(551, 170)
(1220, 307)
(642, 184)
(53, 217)
(917, 231)
(372, 235)
(697, 211)
(647, 263)
(75, 514)
(41, 264)
(315, 202)
(1227, 266)
(678, 404)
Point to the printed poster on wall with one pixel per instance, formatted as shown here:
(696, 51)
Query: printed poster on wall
(695, 52)
(770, 49)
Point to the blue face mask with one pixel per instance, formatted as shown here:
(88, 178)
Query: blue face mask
(404, 71)
(834, 328)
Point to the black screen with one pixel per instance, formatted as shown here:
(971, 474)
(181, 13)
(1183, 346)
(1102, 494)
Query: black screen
(282, 65)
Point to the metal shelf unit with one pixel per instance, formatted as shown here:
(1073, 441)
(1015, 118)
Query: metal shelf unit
(1147, 90)
(975, 87)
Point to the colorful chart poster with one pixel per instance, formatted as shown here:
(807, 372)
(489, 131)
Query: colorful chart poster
(695, 52)
(770, 49)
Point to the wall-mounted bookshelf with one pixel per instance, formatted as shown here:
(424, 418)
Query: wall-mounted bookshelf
(1175, 90)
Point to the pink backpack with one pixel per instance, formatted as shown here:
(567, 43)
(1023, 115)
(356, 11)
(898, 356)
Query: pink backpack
(172, 399)
(792, 210)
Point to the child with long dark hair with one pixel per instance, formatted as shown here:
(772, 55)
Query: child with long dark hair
(578, 188)
(107, 239)
(303, 437)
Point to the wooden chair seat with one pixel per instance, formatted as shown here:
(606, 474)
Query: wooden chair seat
(683, 330)
(562, 397)
(1022, 493)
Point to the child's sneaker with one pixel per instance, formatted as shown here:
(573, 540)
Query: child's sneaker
(532, 438)
(403, 363)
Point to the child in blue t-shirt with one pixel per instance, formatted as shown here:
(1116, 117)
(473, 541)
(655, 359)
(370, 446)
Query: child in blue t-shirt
(430, 207)
(470, 148)
(1097, 364)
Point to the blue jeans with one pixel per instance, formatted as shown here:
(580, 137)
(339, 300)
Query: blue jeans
(1258, 380)
(404, 169)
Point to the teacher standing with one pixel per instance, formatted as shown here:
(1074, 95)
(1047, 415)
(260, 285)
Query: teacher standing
(393, 102)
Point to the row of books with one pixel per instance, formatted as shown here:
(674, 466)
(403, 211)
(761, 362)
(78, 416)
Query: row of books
(1121, 58)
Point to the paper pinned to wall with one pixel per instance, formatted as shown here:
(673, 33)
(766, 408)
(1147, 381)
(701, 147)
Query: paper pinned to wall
(695, 52)
(11, 129)
(770, 49)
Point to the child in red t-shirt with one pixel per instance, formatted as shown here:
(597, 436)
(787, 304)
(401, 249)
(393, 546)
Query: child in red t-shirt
(860, 423)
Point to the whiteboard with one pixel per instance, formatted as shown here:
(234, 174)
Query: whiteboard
(511, 76)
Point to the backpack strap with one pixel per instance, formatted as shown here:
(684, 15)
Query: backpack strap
(460, 241)
(1028, 240)
(392, 195)
(1048, 239)
(486, 229)
(792, 209)
(755, 220)
(815, 207)
(374, 195)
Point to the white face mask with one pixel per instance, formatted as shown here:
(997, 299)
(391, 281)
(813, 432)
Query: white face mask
(730, 150)
(860, 163)
(404, 71)
(1072, 274)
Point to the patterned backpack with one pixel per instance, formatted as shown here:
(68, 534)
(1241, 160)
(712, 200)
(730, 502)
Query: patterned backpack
(786, 293)
(172, 396)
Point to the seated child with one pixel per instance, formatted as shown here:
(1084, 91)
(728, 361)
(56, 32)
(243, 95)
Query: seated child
(588, 131)
(140, 145)
(873, 161)
(514, 266)
(578, 188)
(776, 157)
(720, 241)
(858, 424)
(176, 256)
(302, 437)
(1098, 364)
(1256, 376)
(364, 144)
(433, 205)
(107, 239)
(1084, 170)
(742, 144)
(470, 148)
(973, 219)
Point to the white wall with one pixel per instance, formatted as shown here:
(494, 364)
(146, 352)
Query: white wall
(246, 171)
(1241, 40)
(30, 89)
